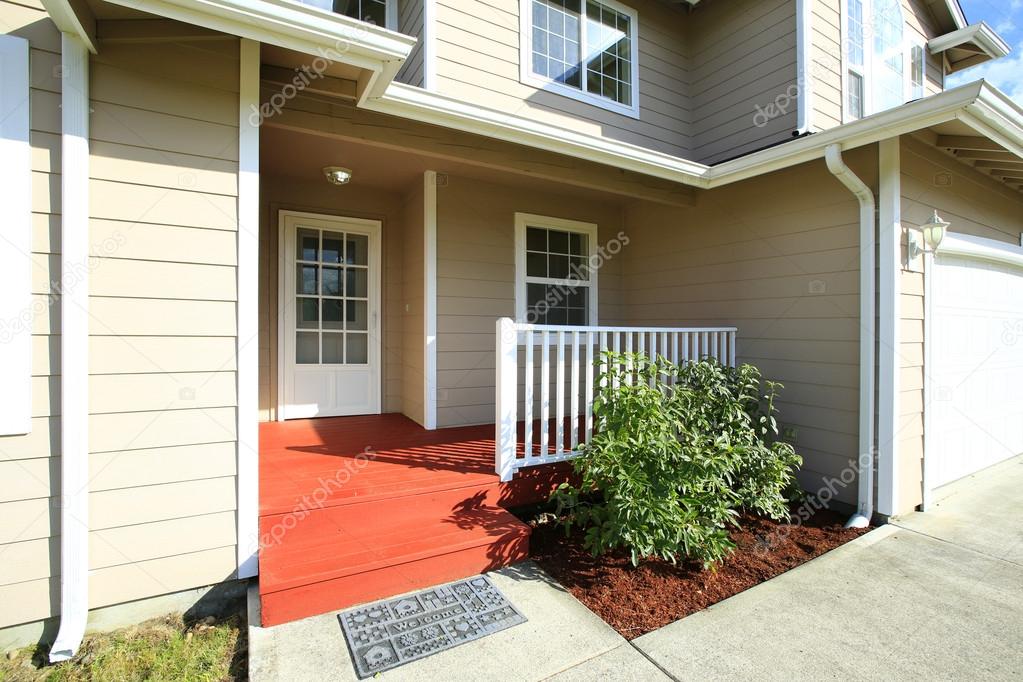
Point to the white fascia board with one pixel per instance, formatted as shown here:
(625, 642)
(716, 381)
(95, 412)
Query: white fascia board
(295, 26)
(980, 248)
(74, 17)
(980, 34)
(974, 103)
(886, 124)
(417, 104)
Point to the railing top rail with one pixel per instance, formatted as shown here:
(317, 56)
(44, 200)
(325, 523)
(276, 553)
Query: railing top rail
(523, 327)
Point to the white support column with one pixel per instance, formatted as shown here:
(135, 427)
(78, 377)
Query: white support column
(430, 298)
(74, 349)
(506, 414)
(16, 244)
(248, 312)
(889, 312)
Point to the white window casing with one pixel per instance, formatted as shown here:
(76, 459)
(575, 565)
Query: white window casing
(16, 242)
(587, 28)
(565, 285)
(878, 58)
(364, 10)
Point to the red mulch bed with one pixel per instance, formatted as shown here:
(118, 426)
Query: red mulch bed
(636, 600)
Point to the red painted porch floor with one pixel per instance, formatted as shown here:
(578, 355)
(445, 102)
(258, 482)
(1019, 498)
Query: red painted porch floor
(354, 509)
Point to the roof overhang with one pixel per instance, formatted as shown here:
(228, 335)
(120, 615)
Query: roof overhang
(969, 46)
(296, 26)
(980, 106)
(74, 17)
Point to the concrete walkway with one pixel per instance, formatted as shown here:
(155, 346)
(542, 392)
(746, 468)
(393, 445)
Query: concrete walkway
(930, 596)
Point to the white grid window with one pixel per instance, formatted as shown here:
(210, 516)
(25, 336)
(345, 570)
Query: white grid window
(917, 69)
(556, 282)
(586, 49)
(883, 68)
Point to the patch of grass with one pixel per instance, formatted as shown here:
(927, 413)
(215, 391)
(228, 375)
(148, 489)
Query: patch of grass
(160, 649)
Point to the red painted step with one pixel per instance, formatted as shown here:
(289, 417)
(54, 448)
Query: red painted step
(339, 556)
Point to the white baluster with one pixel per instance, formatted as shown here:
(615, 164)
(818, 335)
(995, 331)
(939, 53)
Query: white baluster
(589, 386)
(628, 363)
(545, 391)
(732, 339)
(527, 412)
(685, 347)
(575, 391)
(560, 392)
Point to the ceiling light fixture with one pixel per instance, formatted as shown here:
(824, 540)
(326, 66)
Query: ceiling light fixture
(336, 175)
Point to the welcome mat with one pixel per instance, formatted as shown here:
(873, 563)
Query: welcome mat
(389, 633)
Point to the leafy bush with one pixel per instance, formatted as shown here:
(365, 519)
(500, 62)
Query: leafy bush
(678, 451)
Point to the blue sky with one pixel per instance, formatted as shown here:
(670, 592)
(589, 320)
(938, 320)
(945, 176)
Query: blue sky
(1006, 17)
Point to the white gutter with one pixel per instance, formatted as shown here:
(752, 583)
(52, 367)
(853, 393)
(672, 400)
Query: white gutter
(804, 79)
(74, 348)
(865, 496)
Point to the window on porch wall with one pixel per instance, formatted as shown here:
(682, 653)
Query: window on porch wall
(553, 275)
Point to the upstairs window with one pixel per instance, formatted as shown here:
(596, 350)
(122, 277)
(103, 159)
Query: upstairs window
(584, 49)
(882, 68)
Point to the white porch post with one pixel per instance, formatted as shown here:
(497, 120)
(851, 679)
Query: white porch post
(430, 299)
(248, 311)
(889, 311)
(506, 412)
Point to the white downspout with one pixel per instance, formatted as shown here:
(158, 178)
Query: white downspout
(74, 349)
(865, 498)
(804, 78)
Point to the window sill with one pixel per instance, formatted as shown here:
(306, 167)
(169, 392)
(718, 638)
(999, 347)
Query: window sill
(554, 87)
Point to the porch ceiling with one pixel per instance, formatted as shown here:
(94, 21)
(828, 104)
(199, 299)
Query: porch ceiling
(303, 155)
(985, 155)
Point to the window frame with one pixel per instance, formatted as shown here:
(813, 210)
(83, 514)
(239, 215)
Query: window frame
(526, 220)
(915, 43)
(527, 77)
(869, 66)
(390, 12)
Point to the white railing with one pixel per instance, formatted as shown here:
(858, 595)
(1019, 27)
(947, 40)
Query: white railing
(525, 384)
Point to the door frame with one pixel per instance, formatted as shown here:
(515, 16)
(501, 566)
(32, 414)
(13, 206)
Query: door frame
(375, 313)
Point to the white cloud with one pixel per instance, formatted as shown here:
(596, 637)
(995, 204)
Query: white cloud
(1006, 74)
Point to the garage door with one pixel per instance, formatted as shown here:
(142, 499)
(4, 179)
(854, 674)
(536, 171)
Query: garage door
(977, 363)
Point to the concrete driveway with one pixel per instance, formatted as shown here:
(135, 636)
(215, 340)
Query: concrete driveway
(930, 596)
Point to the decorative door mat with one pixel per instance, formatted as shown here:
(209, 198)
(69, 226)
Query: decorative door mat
(393, 632)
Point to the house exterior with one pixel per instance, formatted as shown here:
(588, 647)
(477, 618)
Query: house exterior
(748, 179)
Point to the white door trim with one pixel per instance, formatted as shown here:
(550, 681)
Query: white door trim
(375, 295)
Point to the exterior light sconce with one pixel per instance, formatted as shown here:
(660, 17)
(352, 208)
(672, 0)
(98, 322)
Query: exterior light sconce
(336, 175)
(927, 238)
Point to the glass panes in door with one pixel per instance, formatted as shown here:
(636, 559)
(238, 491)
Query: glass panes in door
(331, 298)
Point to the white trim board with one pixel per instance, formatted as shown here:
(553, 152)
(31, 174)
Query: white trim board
(890, 318)
(16, 245)
(247, 341)
(981, 248)
(430, 299)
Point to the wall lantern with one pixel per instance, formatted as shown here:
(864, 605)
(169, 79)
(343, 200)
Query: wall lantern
(928, 238)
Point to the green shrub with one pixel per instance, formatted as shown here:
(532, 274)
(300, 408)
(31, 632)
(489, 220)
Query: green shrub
(677, 452)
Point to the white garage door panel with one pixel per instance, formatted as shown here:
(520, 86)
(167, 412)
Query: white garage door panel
(977, 371)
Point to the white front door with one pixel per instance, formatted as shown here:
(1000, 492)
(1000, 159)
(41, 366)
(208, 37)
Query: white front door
(330, 316)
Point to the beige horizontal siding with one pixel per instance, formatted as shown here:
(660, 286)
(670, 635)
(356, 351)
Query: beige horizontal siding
(742, 56)
(410, 22)
(475, 285)
(162, 319)
(783, 268)
(478, 60)
(28, 465)
(826, 63)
